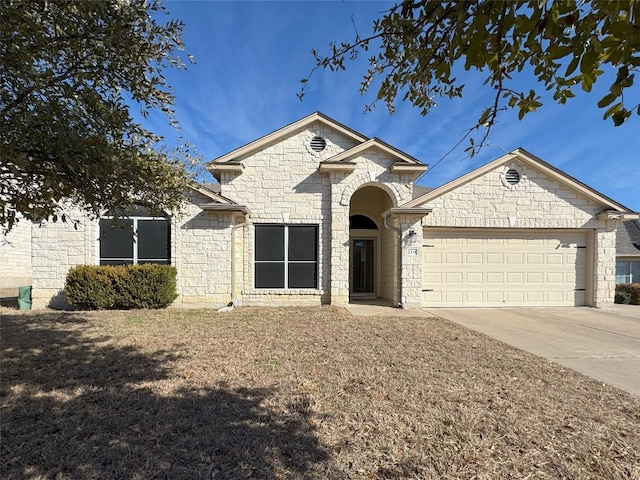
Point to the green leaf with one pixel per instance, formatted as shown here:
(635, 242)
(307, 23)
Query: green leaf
(612, 110)
(606, 100)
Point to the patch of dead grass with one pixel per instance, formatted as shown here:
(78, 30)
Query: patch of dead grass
(296, 393)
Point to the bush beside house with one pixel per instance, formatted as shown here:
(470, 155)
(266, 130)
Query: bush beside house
(92, 287)
(628, 293)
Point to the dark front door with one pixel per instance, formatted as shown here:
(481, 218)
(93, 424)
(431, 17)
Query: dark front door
(362, 267)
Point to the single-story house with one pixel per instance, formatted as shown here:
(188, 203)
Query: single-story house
(628, 252)
(316, 212)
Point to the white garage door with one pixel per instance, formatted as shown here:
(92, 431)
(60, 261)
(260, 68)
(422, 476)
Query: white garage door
(473, 267)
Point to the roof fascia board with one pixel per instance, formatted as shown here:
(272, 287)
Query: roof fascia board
(407, 211)
(617, 215)
(217, 207)
(217, 168)
(326, 167)
(261, 142)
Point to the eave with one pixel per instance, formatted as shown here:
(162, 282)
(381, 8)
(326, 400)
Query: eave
(218, 168)
(617, 215)
(413, 170)
(421, 212)
(344, 167)
(219, 207)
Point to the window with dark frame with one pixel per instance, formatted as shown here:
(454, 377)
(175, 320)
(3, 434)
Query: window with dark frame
(134, 236)
(286, 256)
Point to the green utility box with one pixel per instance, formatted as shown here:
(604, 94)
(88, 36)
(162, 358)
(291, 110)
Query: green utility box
(24, 298)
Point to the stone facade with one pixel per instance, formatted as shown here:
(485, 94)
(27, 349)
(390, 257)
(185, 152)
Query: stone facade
(200, 246)
(538, 201)
(15, 259)
(285, 179)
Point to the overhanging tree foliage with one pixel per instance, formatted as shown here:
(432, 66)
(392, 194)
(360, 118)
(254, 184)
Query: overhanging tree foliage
(564, 44)
(69, 71)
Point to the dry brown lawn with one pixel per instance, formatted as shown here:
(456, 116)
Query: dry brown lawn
(296, 393)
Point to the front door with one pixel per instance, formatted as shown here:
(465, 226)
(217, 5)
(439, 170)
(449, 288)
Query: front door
(363, 268)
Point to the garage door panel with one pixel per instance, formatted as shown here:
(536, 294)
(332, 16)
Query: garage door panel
(453, 297)
(514, 297)
(473, 297)
(473, 258)
(432, 258)
(515, 258)
(535, 277)
(432, 277)
(453, 258)
(453, 277)
(555, 277)
(487, 267)
(494, 277)
(555, 258)
(515, 277)
(474, 277)
(493, 297)
(534, 297)
(495, 258)
(535, 258)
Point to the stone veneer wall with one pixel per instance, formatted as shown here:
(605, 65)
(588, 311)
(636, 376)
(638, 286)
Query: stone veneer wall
(56, 247)
(537, 201)
(389, 264)
(15, 258)
(200, 250)
(282, 184)
(201, 247)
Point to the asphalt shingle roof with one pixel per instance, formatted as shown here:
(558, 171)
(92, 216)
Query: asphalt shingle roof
(628, 239)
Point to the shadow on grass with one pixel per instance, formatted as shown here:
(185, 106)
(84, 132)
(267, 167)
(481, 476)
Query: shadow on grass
(76, 406)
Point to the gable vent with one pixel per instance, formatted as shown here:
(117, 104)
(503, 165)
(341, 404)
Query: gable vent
(318, 144)
(512, 176)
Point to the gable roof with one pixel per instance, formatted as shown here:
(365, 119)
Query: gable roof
(521, 155)
(628, 239)
(375, 143)
(248, 149)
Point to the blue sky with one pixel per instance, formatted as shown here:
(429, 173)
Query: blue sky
(250, 57)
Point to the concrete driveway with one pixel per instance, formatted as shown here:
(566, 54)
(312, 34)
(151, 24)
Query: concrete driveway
(602, 344)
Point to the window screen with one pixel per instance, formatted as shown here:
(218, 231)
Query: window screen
(269, 243)
(116, 241)
(152, 241)
(137, 239)
(303, 243)
(286, 256)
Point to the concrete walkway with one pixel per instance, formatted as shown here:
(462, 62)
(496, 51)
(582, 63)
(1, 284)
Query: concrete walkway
(602, 344)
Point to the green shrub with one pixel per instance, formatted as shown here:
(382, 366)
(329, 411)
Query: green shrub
(630, 289)
(622, 297)
(92, 287)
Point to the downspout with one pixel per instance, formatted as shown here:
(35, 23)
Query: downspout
(234, 298)
(399, 232)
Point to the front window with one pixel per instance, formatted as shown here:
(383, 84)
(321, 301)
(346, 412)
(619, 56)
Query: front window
(134, 237)
(286, 256)
(628, 272)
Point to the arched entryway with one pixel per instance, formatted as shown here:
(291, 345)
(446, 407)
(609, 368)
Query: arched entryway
(372, 275)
